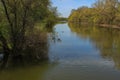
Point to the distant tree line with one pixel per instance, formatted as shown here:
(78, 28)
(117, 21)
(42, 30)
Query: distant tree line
(101, 12)
(62, 19)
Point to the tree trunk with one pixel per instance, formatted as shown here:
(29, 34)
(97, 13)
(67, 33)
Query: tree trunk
(6, 50)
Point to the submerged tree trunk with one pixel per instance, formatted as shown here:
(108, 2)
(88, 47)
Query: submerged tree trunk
(6, 50)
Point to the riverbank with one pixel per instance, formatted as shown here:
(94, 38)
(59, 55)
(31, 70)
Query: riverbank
(100, 25)
(109, 26)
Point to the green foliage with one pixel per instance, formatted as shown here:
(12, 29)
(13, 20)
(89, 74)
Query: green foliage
(18, 16)
(102, 12)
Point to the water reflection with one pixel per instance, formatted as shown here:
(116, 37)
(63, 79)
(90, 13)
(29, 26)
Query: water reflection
(54, 36)
(36, 72)
(33, 63)
(107, 40)
(83, 52)
(79, 57)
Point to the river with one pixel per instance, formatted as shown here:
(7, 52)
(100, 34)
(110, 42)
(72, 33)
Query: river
(75, 53)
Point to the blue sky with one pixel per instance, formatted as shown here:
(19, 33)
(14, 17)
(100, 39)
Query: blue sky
(65, 6)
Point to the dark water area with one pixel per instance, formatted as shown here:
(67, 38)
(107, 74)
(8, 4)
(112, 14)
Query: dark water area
(75, 52)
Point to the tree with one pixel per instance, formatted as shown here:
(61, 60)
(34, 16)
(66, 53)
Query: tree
(17, 16)
(102, 12)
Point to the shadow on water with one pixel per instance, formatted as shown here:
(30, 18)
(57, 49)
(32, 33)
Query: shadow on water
(32, 72)
(106, 40)
(33, 61)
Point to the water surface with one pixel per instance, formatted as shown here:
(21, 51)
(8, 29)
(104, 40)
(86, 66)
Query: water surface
(75, 53)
